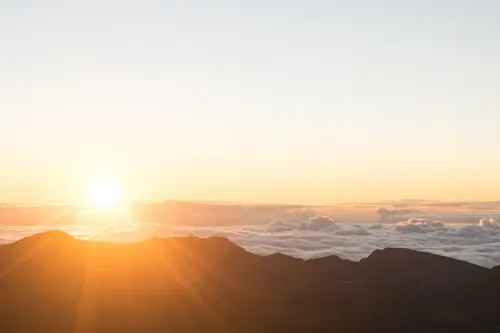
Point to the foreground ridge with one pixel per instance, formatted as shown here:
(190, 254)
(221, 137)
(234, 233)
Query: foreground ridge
(188, 284)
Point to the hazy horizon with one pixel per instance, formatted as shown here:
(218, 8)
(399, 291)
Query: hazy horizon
(466, 231)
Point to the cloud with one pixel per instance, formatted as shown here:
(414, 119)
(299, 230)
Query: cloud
(384, 211)
(417, 225)
(318, 223)
(355, 230)
(470, 231)
(315, 223)
(278, 226)
(317, 236)
(489, 224)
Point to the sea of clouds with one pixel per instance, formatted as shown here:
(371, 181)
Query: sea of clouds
(317, 236)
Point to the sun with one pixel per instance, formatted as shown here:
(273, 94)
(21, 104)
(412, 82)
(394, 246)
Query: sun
(103, 192)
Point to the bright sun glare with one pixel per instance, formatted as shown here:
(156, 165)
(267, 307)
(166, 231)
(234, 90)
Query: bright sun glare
(103, 192)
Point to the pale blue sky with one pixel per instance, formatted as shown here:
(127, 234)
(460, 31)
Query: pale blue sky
(311, 101)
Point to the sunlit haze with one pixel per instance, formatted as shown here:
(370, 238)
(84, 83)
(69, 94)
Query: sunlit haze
(103, 192)
(249, 101)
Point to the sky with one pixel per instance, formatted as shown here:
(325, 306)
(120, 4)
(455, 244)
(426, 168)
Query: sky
(254, 101)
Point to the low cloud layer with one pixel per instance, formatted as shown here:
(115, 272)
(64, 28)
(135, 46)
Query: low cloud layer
(315, 237)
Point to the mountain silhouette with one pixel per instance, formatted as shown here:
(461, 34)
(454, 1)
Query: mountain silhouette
(52, 282)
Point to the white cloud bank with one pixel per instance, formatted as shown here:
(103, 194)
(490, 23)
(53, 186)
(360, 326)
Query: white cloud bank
(316, 237)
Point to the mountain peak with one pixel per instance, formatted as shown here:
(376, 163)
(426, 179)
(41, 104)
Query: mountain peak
(51, 236)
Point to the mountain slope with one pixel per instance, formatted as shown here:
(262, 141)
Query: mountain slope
(55, 282)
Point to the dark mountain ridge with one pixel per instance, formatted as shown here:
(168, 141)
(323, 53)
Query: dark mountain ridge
(61, 284)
